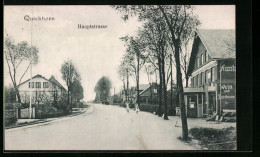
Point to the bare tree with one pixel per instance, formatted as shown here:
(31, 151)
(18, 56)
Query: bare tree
(69, 75)
(180, 20)
(134, 49)
(17, 55)
(154, 35)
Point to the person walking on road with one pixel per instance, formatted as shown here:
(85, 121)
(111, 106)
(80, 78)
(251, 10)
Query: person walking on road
(136, 106)
(127, 106)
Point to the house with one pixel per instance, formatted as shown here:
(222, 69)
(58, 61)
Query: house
(212, 69)
(42, 90)
(148, 93)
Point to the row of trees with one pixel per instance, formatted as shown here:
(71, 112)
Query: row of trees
(166, 32)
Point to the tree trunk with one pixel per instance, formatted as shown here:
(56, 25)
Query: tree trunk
(137, 80)
(160, 88)
(179, 76)
(18, 95)
(68, 97)
(124, 90)
(177, 93)
(164, 88)
(127, 85)
(181, 95)
(171, 109)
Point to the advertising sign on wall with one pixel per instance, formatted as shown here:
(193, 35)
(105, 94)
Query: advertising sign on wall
(228, 84)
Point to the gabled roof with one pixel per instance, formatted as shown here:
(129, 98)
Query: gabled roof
(53, 80)
(147, 87)
(38, 75)
(144, 86)
(219, 43)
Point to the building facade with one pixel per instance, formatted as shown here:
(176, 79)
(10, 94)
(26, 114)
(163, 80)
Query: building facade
(212, 71)
(41, 90)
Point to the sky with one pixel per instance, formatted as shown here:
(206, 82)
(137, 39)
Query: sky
(95, 52)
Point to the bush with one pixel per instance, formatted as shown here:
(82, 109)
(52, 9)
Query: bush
(11, 106)
(153, 108)
(62, 105)
(46, 110)
(148, 108)
(9, 94)
(215, 139)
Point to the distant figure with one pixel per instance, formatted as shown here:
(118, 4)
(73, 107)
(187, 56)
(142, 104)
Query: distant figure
(127, 106)
(136, 106)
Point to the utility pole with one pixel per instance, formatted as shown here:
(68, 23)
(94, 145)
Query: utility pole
(30, 108)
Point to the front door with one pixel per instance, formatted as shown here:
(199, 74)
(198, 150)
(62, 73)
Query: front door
(212, 102)
(192, 106)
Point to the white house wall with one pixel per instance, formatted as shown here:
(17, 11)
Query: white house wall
(46, 93)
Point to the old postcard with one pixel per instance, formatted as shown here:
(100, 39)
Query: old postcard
(121, 77)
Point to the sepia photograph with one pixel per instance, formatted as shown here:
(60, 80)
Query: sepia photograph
(119, 77)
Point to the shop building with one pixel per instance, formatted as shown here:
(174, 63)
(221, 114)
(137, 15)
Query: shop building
(212, 71)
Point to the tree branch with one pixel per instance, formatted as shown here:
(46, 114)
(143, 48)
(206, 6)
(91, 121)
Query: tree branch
(24, 73)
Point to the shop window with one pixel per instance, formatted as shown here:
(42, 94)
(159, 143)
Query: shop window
(200, 98)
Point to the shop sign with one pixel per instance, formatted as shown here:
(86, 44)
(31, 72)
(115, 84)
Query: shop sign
(227, 93)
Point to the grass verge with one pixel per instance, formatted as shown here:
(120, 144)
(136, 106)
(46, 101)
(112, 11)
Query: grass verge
(215, 139)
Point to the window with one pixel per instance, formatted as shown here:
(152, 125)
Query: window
(45, 84)
(202, 78)
(209, 75)
(206, 56)
(31, 84)
(202, 59)
(198, 62)
(205, 76)
(198, 81)
(212, 74)
(38, 84)
(192, 82)
(195, 81)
